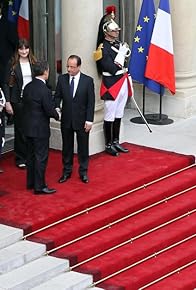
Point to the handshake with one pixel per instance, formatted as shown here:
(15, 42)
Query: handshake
(123, 52)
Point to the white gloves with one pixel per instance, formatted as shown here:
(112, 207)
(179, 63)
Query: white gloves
(122, 54)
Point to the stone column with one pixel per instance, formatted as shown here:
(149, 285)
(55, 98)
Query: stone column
(184, 34)
(80, 20)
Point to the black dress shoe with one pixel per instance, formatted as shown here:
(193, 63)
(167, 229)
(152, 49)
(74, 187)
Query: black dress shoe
(84, 178)
(119, 148)
(45, 190)
(110, 149)
(64, 178)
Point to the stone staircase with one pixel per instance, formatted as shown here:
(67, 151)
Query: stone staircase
(24, 265)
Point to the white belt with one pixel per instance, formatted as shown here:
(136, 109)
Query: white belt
(119, 72)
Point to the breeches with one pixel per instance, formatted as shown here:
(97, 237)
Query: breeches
(115, 108)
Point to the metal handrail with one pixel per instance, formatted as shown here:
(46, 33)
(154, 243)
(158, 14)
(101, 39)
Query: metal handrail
(119, 220)
(141, 261)
(131, 240)
(168, 274)
(107, 201)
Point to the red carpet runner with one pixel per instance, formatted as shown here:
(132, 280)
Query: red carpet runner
(164, 227)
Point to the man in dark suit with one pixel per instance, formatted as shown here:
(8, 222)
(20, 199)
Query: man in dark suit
(38, 109)
(77, 116)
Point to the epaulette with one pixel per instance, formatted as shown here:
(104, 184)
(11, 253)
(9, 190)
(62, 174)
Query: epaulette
(97, 54)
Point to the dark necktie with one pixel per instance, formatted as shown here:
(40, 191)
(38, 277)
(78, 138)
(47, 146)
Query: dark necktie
(72, 87)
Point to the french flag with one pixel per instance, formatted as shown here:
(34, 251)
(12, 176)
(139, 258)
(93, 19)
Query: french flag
(23, 20)
(160, 62)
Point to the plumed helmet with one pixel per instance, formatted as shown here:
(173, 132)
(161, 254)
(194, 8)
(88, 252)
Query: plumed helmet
(110, 25)
(110, 12)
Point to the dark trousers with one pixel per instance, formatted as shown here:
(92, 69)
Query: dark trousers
(68, 150)
(37, 158)
(20, 145)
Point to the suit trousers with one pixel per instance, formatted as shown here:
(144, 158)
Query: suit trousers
(82, 138)
(37, 158)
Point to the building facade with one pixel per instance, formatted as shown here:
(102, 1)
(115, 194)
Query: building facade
(63, 27)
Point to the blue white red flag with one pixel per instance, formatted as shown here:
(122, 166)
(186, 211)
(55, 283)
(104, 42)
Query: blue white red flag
(140, 47)
(160, 63)
(13, 10)
(23, 20)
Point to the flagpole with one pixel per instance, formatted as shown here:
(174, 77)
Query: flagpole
(144, 99)
(160, 107)
(158, 118)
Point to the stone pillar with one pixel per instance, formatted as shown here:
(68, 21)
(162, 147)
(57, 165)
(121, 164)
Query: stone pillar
(80, 20)
(184, 33)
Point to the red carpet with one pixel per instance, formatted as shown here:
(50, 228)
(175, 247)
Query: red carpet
(109, 177)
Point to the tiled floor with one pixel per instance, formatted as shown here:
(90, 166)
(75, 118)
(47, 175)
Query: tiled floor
(180, 136)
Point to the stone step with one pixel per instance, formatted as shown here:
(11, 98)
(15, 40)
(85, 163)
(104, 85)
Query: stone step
(23, 266)
(18, 254)
(9, 235)
(33, 273)
(67, 281)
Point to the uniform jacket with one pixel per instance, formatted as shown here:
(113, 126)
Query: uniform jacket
(38, 109)
(77, 110)
(13, 94)
(106, 63)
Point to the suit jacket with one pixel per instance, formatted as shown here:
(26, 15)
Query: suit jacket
(13, 94)
(77, 110)
(38, 109)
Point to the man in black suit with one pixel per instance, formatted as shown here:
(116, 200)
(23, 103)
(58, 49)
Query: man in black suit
(77, 116)
(38, 109)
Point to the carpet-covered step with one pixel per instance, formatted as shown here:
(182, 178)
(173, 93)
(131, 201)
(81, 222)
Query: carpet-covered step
(134, 247)
(128, 228)
(146, 272)
(18, 254)
(9, 235)
(116, 209)
(138, 247)
(67, 281)
(21, 208)
(181, 279)
(33, 273)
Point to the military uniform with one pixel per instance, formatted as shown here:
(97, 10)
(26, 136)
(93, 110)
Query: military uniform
(115, 86)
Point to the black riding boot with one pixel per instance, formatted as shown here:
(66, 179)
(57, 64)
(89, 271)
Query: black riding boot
(109, 148)
(116, 133)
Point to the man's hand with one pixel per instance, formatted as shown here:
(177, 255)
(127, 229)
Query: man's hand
(88, 126)
(9, 108)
